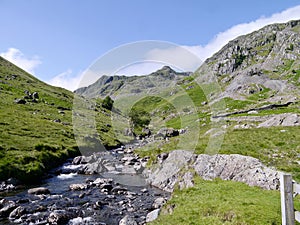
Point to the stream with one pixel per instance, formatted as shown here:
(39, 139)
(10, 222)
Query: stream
(103, 188)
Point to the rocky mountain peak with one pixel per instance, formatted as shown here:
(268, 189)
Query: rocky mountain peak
(265, 59)
(109, 85)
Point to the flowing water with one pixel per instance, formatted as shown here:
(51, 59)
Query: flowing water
(91, 205)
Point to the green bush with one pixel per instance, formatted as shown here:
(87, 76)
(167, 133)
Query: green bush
(139, 118)
(107, 103)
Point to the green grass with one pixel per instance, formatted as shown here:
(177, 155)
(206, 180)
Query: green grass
(222, 202)
(30, 141)
(270, 145)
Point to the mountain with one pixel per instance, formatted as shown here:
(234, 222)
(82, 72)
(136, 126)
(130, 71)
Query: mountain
(127, 85)
(262, 66)
(265, 64)
(36, 128)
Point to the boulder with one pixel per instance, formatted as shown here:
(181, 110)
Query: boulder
(80, 221)
(167, 132)
(20, 101)
(78, 187)
(17, 213)
(35, 95)
(6, 207)
(186, 181)
(79, 160)
(159, 202)
(39, 191)
(99, 181)
(93, 168)
(127, 220)
(146, 131)
(26, 92)
(151, 216)
(60, 217)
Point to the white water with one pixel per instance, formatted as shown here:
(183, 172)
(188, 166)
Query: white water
(66, 176)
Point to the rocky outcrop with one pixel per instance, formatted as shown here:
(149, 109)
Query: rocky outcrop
(267, 58)
(167, 174)
(180, 167)
(285, 119)
(237, 168)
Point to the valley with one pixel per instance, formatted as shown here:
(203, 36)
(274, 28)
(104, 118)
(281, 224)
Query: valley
(241, 103)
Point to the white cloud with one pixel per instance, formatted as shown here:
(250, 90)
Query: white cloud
(70, 82)
(177, 56)
(18, 58)
(65, 80)
(224, 37)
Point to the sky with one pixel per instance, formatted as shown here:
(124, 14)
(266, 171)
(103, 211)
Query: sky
(58, 40)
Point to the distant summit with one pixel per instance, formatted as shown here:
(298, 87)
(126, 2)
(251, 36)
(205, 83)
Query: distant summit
(120, 84)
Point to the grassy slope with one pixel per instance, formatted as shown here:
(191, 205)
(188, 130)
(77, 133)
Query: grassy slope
(226, 202)
(30, 142)
(222, 202)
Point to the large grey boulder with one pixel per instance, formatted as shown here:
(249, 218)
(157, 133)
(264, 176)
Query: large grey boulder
(178, 166)
(238, 168)
(151, 216)
(93, 168)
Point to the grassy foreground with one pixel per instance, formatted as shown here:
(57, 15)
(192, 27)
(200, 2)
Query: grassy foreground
(222, 202)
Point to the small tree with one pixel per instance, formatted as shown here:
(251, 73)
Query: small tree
(139, 119)
(107, 103)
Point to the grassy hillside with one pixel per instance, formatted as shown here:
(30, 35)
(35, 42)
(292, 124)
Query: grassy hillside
(38, 135)
(275, 146)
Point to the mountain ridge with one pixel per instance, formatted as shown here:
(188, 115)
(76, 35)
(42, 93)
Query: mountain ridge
(109, 85)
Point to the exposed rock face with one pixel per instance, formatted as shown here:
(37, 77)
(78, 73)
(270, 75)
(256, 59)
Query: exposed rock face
(237, 168)
(285, 119)
(166, 175)
(266, 58)
(234, 167)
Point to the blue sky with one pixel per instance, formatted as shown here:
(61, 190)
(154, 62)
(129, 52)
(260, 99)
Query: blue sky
(59, 39)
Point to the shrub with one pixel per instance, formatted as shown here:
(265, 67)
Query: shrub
(107, 103)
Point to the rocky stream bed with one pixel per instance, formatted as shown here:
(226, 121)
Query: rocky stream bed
(104, 188)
